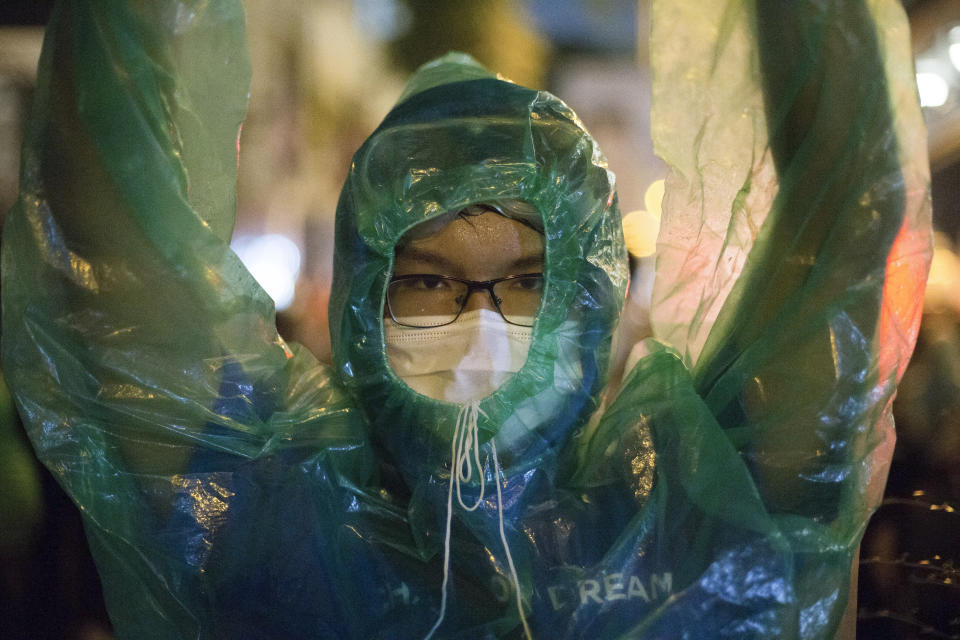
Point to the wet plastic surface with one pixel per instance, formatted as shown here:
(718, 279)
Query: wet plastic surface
(232, 487)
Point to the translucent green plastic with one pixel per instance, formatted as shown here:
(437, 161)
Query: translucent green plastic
(232, 487)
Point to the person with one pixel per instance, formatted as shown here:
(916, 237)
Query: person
(234, 488)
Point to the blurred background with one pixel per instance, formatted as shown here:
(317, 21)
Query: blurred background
(325, 72)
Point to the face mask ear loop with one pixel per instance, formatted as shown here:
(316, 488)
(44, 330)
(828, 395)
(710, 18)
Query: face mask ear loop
(468, 435)
(506, 546)
(463, 443)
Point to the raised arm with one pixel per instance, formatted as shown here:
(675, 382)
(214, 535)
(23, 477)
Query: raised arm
(121, 297)
(791, 264)
(832, 214)
(143, 357)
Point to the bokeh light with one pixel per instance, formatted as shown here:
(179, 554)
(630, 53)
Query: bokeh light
(934, 90)
(641, 227)
(274, 261)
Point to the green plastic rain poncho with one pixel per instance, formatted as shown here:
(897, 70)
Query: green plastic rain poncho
(234, 488)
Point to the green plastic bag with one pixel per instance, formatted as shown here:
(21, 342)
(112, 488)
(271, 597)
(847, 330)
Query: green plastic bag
(234, 488)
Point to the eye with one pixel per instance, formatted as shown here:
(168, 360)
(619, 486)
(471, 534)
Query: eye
(424, 283)
(530, 284)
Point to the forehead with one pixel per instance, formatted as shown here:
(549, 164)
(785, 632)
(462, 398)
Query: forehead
(477, 247)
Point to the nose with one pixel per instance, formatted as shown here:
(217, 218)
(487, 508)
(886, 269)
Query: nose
(479, 299)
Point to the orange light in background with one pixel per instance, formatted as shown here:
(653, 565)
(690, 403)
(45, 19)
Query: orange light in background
(902, 307)
(943, 284)
(641, 227)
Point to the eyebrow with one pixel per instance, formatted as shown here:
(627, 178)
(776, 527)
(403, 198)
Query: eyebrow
(528, 262)
(427, 257)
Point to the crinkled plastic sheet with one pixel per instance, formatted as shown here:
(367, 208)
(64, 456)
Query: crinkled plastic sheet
(232, 487)
(778, 179)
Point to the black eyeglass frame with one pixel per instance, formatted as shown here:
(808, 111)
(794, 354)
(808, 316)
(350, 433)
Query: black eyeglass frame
(472, 285)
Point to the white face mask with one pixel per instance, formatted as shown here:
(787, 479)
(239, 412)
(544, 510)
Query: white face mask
(460, 362)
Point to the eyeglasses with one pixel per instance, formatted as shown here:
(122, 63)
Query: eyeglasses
(424, 300)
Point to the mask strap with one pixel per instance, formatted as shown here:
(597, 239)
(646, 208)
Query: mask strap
(457, 458)
(506, 546)
(467, 438)
(464, 445)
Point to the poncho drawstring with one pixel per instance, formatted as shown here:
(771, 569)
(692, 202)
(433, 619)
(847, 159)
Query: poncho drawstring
(464, 445)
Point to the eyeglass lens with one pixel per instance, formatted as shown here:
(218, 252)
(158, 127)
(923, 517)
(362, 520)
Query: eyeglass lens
(431, 301)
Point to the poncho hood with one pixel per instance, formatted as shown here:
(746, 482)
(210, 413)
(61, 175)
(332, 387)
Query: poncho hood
(458, 136)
